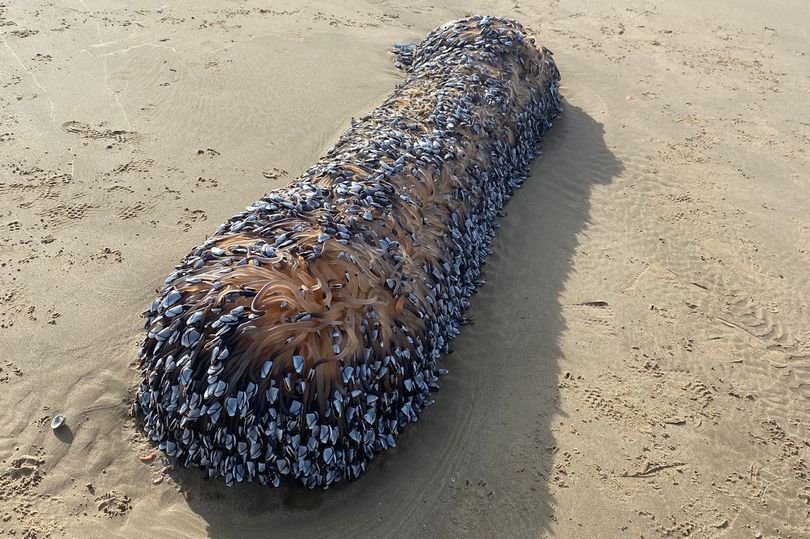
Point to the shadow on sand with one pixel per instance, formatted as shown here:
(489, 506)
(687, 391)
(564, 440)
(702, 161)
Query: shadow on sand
(480, 461)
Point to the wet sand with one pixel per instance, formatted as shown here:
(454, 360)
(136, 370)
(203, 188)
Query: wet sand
(639, 363)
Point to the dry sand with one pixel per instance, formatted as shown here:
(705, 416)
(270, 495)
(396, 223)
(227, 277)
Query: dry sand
(640, 361)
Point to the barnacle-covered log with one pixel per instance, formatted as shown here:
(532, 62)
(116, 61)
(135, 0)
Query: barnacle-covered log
(303, 336)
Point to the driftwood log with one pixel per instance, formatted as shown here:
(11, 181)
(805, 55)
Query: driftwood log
(305, 334)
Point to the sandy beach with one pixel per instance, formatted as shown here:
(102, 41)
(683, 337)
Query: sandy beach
(639, 364)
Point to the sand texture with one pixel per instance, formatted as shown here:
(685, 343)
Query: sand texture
(639, 362)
